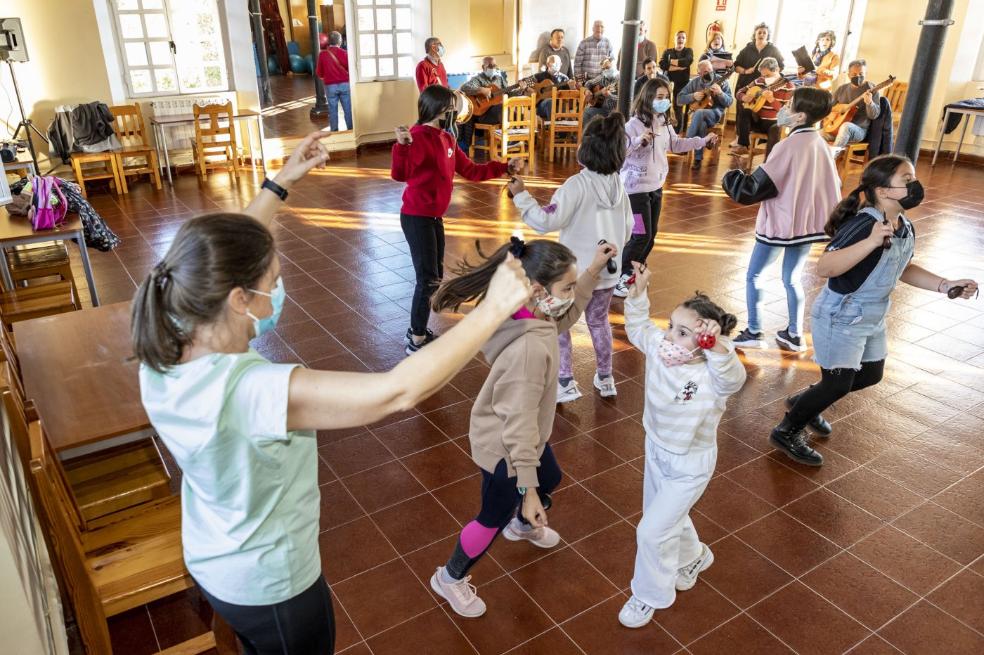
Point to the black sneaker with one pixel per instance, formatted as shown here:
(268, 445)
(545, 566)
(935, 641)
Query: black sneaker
(818, 423)
(787, 341)
(792, 441)
(747, 339)
(411, 346)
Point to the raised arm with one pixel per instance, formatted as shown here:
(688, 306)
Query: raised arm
(310, 154)
(551, 217)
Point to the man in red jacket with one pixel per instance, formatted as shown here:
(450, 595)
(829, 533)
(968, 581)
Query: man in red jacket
(430, 69)
(333, 70)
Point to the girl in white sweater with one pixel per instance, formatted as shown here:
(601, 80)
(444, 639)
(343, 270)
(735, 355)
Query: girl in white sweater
(588, 208)
(691, 369)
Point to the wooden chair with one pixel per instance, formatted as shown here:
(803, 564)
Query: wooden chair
(136, 146)
(89, 166)
(35, 262)
(563, 130)
(24, 303)
(487, 129)
(516, 136)
(896, 95)
(215, 136)
(853, 153)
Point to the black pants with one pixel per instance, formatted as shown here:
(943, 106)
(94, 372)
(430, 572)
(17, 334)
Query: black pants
(834, 384)
(466, 132)
(425, 236)
(748, 121)
(646, 206)
(500, 499)
(302, 625)
(680, 113)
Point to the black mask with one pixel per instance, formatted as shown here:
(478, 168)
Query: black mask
(447, 121)
(914, 195)
(708, 77)
(857, 80)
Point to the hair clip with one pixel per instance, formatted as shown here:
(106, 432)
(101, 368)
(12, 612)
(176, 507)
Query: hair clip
(161, 275)
(517, 247)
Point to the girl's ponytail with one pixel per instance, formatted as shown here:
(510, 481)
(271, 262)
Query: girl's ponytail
(877, 174)
(846, 208)
(158, 341)
(706, 308)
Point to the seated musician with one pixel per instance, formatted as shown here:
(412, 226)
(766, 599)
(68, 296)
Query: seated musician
(554, 75)
(697, 89)
(765, 119)
(855, 130)
(603, 96)
(482, 85)
(650, 71)
(826, 61)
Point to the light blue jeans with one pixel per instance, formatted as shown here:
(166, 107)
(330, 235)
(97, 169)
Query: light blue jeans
(339, 93)
(701, 122)
(850, 133)
(793, 260)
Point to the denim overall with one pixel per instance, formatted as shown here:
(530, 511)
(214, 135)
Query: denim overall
(849, 329)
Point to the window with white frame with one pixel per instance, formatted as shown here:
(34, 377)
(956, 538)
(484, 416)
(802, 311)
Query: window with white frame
(158, 60)
(384, 39)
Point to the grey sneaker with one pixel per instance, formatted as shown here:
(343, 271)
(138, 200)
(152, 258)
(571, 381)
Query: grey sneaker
(748, 339)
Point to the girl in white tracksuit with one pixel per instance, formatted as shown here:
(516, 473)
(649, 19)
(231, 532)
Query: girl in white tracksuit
(587, 208)
(688, 381)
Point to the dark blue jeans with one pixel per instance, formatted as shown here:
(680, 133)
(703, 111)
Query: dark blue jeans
(339, 93)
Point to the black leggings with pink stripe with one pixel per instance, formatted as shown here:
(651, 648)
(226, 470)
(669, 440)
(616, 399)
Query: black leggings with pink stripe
(500, 500)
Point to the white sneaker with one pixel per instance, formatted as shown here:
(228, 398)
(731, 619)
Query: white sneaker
(606, 386)
(635, 613)
(461, 595)
(687, 576)
(568, 393)
(541, 537)
(622, 289)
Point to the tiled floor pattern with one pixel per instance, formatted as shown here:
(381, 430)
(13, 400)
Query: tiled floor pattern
(289, 113)
(879, 551)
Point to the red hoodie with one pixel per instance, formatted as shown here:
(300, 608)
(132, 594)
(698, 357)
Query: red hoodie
(428, 166)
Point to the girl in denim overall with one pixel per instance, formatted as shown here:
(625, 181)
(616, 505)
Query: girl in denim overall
(870, 251)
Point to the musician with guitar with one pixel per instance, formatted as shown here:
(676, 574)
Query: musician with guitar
(546, 80)
(708, 96)
(602, 97)
(750, 58)
(486, 90)
(854, 128)
(761, 101)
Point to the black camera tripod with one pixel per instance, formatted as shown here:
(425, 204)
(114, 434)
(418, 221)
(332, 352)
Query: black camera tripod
(25, 123)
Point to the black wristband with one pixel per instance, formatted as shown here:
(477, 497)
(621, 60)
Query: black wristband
(276, 188)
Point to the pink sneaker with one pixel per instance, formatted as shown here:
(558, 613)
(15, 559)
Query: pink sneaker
(541, 537)
(461, 595)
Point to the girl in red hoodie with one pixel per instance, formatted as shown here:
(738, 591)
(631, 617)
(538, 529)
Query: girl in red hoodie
(426, 157)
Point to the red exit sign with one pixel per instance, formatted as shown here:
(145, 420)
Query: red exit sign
(722, 5)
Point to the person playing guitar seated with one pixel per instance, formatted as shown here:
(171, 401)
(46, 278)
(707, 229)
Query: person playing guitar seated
(553, 77)
(764, 119)
(484, 85)
(602, 98)
(705, 89)
(650, 71)
(856, 129)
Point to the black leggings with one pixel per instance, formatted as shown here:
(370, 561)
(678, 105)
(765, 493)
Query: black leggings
(425, 236)
(500, 499)
(645, 208)
(302, 625)
(834, 384)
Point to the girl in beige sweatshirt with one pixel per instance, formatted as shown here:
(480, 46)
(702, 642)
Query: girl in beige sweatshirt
(512, 418)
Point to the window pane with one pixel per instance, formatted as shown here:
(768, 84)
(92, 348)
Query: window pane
(406, 67)
(366, 23)
(141, 82)
(380, 3)
(167, 79)
(386, 67)
(385, 43)
(367, 68)
(404, 19)
(126, 5)
(153, 4)
(131, 27)
(384, 19)
(200, 52)
(365, 2)
(136, 54)
(160, 53)
(367, 45)
(404, 42)
(156, 25)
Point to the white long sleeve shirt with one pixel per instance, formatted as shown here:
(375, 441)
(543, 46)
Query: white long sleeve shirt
(684, 403)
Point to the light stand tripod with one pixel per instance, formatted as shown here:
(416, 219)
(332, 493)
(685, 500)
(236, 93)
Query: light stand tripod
(25, 123)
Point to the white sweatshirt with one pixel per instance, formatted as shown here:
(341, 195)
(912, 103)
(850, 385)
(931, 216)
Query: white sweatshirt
(586, 208)
(684, 403)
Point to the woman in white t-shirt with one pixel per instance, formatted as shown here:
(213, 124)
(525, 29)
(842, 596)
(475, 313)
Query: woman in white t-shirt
(242, 429)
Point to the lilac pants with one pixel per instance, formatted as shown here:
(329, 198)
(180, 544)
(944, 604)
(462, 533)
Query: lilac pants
(596, 316)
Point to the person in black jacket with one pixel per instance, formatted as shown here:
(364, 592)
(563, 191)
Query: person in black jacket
(676, 63)
(748, 59)
(650, 71)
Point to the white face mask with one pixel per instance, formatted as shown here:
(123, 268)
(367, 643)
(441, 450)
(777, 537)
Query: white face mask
(673, 355)
(491, 72)
(555, 68)
(553, 306)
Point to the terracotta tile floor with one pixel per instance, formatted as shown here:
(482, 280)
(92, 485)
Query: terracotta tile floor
(879, 550)
(289, 113)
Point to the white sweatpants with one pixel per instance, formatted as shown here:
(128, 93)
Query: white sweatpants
(666, 539)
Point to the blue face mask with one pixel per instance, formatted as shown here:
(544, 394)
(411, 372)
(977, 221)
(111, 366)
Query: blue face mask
(661, 106)
(277, 295)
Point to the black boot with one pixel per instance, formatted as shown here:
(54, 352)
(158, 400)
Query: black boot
(818, 423)
(790, 439)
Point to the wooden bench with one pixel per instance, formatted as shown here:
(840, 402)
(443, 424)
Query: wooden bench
(25, 303)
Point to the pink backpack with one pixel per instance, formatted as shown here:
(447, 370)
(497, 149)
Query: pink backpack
(45, 214)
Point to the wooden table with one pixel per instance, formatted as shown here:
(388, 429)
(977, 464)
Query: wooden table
(78, 372)
(160, 123)
(969, 113)
(18, 165)
(17, 231)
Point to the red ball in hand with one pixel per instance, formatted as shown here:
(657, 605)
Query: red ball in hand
(706, 341)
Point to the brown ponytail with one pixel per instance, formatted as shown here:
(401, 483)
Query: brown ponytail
(543, 261)
(211, 255)
(705, 308)
(877, 174)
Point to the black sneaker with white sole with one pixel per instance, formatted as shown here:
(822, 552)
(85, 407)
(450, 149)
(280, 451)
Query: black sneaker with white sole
(748, 339)
(411, 346)
(787, 341)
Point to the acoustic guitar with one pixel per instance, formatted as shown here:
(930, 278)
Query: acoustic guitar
(481, 104)
(844, 112)
(599, 93)
(543, 88)
(754, 98)
(708, 100)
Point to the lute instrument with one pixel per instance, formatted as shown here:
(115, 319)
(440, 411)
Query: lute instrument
(708, 100)
(754, 98)
(844, 112)
(481, 104)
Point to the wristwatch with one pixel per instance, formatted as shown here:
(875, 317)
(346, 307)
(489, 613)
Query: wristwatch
(276, 188)
(521, 490)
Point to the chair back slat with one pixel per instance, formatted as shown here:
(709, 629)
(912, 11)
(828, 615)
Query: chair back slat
(129, 125)
(518, 112)
(213, 122)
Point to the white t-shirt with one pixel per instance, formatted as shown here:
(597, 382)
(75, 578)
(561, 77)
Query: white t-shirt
(249, 494)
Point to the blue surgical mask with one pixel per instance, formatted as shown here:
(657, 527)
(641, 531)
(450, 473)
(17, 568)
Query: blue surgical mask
(440, 51)
(661, 106)
(277, 295)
